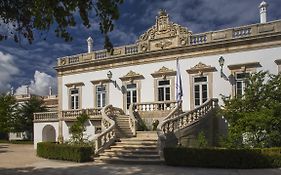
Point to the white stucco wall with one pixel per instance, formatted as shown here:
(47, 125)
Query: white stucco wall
(38, 129)
(89, 133)
(265, 57)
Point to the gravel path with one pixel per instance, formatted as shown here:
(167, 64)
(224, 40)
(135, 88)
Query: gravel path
(21, 160)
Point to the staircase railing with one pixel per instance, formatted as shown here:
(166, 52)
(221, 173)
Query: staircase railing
(173, 124)
(155, 106)
(132, 119)
(107, 137)
(173, 114)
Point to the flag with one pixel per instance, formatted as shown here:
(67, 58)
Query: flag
(179, 92)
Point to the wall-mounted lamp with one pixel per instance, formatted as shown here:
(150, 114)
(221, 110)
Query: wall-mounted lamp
(109, 76)
(221, 62)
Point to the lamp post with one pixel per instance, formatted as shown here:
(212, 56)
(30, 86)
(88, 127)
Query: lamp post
(221, 62)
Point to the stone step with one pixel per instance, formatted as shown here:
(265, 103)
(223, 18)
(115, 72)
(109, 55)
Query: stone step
(123, 127)
(140, 151)
(134, 147)
(139, 139)
(122, 118)
(132, 161)
(122, 121)
(123, 136)
(130, 156)
(135, 142)
(147, 135)
(123, 131)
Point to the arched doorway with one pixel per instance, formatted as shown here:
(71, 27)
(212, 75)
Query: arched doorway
(49, 134)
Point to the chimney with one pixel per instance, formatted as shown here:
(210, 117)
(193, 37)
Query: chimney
(263, 8)
(90, 44)
(50, 91)
(27, 90)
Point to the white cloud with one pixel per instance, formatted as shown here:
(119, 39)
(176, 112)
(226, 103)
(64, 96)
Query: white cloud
(7, 70)
(40, 84)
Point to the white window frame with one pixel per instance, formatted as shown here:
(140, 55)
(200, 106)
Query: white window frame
(164, 89)
(103, 95)
(75, 102)
(242, 81)
(200, 84)
(131, 91)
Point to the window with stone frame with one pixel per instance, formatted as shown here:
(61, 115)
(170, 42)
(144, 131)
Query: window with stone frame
(239, 74)
(74, 98)
(200, 84)
(240, 83)
(101, 95)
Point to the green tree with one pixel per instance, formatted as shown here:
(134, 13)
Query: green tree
(8, 107)
(201, 140)
(24, 119)
(77, 130)
(255, 118)
(23, 17)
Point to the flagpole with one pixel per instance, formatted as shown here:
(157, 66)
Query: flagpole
(179, 91)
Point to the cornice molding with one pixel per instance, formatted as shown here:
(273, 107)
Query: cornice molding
(77, 84)
(220, 47)
(244, 65)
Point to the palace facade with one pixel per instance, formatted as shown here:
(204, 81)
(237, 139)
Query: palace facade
(139, 80)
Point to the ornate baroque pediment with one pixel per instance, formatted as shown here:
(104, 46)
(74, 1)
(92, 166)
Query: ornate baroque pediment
(163, 72)
(200, 68)
(163, 28)
(131, 75)
(164, 34)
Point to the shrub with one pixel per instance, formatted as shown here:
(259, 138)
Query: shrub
(76, 153)
(201, 140)
(223, 158)
(77, 129)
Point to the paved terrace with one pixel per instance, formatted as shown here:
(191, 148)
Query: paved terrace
(21, 160)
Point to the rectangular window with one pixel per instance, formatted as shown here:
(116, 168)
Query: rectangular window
(164, 90)
(240, 83)
(74, 97)
(200, 90)
(100, 95)
(131, 94)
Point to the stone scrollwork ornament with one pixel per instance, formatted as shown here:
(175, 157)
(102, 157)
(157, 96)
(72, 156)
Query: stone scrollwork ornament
(144, 47)
(63, 61)
(183, 41)
(163, 28)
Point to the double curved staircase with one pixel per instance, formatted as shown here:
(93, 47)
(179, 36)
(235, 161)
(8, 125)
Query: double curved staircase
(119, 141)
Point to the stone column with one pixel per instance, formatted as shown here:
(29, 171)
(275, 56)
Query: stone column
(60, 130)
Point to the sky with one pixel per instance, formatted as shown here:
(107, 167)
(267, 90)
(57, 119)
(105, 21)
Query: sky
(33, 65)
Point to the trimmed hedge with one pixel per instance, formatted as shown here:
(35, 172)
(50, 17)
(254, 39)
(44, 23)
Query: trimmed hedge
(17, 141)
(223, 158)
(57, 151)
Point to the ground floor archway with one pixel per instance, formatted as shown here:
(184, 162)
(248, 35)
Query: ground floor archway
(49, 134)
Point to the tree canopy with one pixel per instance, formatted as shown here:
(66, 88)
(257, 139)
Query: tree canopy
(23, 121)
(22, 18)
(8, 108)
(255, 118)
